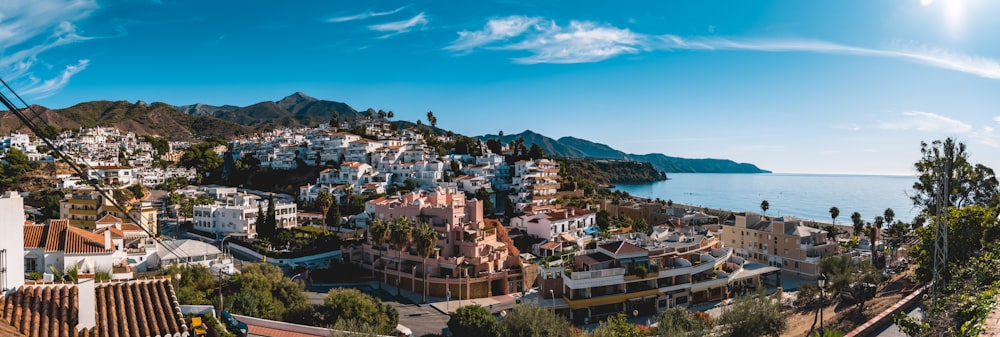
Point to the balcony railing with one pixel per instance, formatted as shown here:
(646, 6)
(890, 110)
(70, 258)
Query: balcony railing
(583, 275)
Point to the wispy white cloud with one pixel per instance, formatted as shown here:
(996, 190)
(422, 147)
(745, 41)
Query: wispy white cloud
(399, 27)
(52, 86)
(495, 30)
(928, 122)
(581, 42)
(548, 42)
(29, 28)
(986, 135)
(584, 41)
(936, 57)
(364, 15)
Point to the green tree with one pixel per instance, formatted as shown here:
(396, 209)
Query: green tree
(889, 215)
(332, 217)
(764, 206)
(473, 320)
(536, 152)
(270, 225)
(834, 213)
(324, 200)
(378, 234)
(261, 217)
(261, 290)
(400, 235)
(859, 225)
(483, 195)
(616, 326)
(970, 229)
(425, 239)
(432, 119)
(968, 184)
(753, 315)
(679, 322)
(14, 166)
(873, 236)
(603, 219)
(202, 157)
(533, 321)
(351, 304)
(858, 279)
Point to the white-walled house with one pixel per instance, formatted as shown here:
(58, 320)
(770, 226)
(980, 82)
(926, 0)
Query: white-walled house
(549, 225)
(238, 214)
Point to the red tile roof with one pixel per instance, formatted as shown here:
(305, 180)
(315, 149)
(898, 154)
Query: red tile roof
(59, 236)
(34, 236)
(130, 308)
(110, 219)
(56, 238)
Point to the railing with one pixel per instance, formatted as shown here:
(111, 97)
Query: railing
(582, 275)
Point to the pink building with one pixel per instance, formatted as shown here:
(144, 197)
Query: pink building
(472, 251)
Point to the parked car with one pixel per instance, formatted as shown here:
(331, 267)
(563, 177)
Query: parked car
(234, 325)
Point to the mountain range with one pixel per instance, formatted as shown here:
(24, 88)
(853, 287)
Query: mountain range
(573, 147)
(297, 110)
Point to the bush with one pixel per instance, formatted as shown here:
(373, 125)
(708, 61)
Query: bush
(473, 320)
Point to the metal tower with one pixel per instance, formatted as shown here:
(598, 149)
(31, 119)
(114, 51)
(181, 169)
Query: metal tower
(941, 231)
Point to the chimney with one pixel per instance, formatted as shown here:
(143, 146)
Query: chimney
(572, 211)
(86, 302)
(108, 244)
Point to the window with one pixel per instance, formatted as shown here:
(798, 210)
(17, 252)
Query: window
(796, 264)
(30, 265)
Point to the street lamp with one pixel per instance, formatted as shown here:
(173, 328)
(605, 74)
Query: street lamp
(821, 281)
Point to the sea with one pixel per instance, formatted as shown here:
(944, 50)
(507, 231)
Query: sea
(805, 196)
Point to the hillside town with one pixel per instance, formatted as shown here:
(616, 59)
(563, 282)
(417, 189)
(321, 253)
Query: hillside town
(492, 224)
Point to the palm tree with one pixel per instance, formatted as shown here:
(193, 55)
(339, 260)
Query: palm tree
(378, 233)
(400, 235)
(425, 238)
(324, 200)
(873, 236)
(858, 224)
(834, 213)
(764, 206)
(431, 119)
(390, 114)
(889, 215)
(348, 195)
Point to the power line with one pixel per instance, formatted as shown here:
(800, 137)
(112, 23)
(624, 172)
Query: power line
(73, 164)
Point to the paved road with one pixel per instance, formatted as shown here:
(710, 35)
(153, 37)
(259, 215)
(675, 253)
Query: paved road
(892, 330)
(421, 319)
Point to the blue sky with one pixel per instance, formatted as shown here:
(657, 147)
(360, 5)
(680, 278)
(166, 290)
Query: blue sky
(792, 86)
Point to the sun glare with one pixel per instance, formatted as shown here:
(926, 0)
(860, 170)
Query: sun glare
(926, 3)
(954, 15)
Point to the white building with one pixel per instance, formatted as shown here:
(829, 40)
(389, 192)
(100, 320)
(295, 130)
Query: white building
(12, 242)
(576, 222)
(535, 183)
(238, 214)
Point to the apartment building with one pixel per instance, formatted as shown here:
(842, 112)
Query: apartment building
(782, 242)
(237, 213)
(473, 253)
(535, 183)
(648, 274)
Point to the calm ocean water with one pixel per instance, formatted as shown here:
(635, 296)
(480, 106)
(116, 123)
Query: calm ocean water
(806, 196)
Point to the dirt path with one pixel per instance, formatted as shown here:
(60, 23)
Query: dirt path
(844, 317)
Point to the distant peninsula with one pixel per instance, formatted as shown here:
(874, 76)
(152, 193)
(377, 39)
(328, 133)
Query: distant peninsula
(572, 147)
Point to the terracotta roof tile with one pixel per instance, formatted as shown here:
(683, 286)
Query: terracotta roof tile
(79, 241)
(34, 236)
(56, 237)
(130, 308)
(109, 219)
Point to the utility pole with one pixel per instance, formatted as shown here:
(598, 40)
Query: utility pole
(220, 297)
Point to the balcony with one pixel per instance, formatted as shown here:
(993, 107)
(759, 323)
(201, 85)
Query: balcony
(583, 275)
